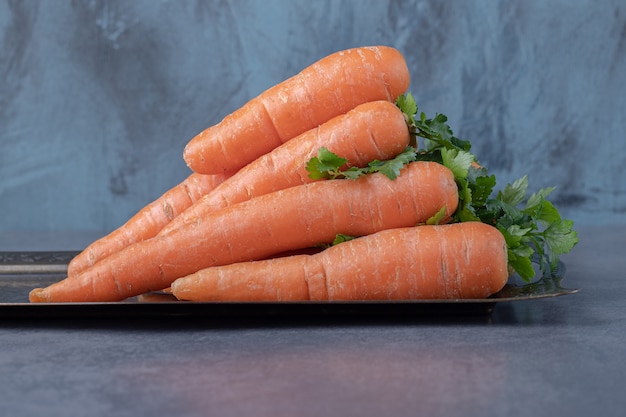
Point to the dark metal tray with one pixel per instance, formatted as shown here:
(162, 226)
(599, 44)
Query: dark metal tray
(22, 271)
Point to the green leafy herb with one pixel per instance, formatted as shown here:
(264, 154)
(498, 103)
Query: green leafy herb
(531, 225)
(340, 238)
(325, 165)
(329, 166)
(438, 217)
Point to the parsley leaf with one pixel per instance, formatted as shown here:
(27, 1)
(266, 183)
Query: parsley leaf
(458, 161)
(407, 104)
(437, 217)
(329, 166)
(391, 168)
(513, 194)
(325, 165)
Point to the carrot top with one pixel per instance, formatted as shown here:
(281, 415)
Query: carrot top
(531, 225)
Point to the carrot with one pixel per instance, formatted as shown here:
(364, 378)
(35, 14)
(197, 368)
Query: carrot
(148, 221)
(453, 261)
(296, 217)
(371, 131)
(328, 88)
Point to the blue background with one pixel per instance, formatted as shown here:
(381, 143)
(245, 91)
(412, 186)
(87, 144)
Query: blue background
(98, 98)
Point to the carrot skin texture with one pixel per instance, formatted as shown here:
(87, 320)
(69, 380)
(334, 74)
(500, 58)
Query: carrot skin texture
(370, 131)
(149, 221)
(453, 261)
(327, 88)
(293, 218)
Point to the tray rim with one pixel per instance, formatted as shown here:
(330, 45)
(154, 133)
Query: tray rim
(52, 264)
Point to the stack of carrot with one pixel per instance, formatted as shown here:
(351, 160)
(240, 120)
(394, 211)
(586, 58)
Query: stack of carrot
(224, 232)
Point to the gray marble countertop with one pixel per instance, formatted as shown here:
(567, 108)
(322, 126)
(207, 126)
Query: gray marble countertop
(561, 356)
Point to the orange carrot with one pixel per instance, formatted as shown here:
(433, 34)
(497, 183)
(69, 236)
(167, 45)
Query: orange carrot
(148, 221)
(328, 88)
(370, 131)
(454, 261)
(296, 217)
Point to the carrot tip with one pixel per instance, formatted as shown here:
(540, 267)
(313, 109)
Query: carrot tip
(36, 295)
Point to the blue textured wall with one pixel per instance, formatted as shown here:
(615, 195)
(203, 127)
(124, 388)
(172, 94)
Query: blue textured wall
(98, 98)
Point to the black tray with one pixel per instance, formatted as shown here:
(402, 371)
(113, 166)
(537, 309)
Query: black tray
(22, 271)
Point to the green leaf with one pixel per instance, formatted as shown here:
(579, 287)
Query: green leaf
(523, 251)
(560, 237)
(458, 161)
(328, 165)
(325, 165)
(340, 238)
(350, 173)
(516, 233)
(392, 167)
(515, 193)
(437, 217)
(313, 168)
(523, 266)
(407, 104)
(482, 187)
(539, 196)
(545, 212)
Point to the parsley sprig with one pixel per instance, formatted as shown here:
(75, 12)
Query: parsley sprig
(327, 165)
(531, 225)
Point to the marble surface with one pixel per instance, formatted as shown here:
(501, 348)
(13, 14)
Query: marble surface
(98, 98)
(553, 357)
